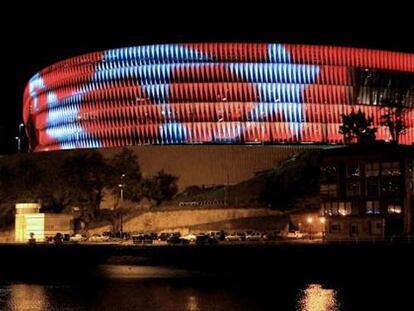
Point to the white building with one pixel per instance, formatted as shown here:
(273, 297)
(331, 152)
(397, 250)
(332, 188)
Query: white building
(30, 220)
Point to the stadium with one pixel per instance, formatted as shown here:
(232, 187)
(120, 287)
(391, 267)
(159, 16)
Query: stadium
(215, 93)
(244, 132)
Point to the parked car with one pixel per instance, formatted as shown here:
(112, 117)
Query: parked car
(190, 237)
(295, 234)
(204, 239)
(98, 238)
(142, 238)
(66, 237)
(49, 239)
(253, 236)
(271, 236)
(57, 240)
(177, 239)
(163, 236)
(78, 238)
(218, 235)
(235, 236)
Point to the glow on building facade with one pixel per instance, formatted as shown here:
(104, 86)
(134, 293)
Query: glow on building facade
(29, 220)
(214, 93)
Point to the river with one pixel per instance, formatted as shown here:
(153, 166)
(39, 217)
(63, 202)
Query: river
(131, 287)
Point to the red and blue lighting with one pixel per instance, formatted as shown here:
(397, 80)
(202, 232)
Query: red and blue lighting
(214, 93)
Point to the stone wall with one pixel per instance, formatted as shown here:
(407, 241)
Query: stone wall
(181, 220)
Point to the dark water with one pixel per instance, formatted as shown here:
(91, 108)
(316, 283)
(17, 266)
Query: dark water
(120, 287)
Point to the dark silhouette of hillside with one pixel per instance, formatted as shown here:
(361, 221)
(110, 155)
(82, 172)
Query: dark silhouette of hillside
(293, 183)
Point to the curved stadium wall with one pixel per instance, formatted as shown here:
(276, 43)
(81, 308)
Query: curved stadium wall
(214, 93)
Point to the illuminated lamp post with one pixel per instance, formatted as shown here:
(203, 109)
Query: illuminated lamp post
(19, 137)
(18, 144)
(121, 200)
(323, 220)
(310, 220)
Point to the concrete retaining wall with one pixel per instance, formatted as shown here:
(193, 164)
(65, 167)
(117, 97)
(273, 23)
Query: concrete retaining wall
(181, 220)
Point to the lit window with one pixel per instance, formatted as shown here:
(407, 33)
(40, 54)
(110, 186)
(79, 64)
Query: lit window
(394, 209)
(391, 169)
(336, 208)
(373, 207)
(372, 169)
(322, 209)
(344, 208)
(329, 190)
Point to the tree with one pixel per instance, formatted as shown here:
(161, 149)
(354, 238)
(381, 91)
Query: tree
(7, 196)
(5, 180)
(356, 126)
(161, 187)
(26, 180)
(124, 171)
(20, 181)
(85, 175)
(393, 118)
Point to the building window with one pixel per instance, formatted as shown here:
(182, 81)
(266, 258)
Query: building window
(372, 169)
(353, 188)
(336, 208)
(394, 209)
(335, 227)
(344, 208)
(329, 172)
(373, 207)
(372, 187)
(391, 186)
(375, 86)
(354, 229)
(324, 210)
(391, 169)
(328, 190)
(352, 170)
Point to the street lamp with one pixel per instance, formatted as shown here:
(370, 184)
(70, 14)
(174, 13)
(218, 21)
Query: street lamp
(310, 220)
(18, 143)
(19, 138)
(121, 201)
(323, 220)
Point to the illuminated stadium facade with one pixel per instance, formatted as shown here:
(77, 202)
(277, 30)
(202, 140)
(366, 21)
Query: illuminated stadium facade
(215, 93)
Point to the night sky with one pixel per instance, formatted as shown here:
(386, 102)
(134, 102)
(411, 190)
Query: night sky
(37, 38)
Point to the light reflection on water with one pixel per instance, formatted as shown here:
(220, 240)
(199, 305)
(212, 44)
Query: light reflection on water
(142, 272)
(316, 298)
(161, 288)
(27, 297)
(192, 304)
